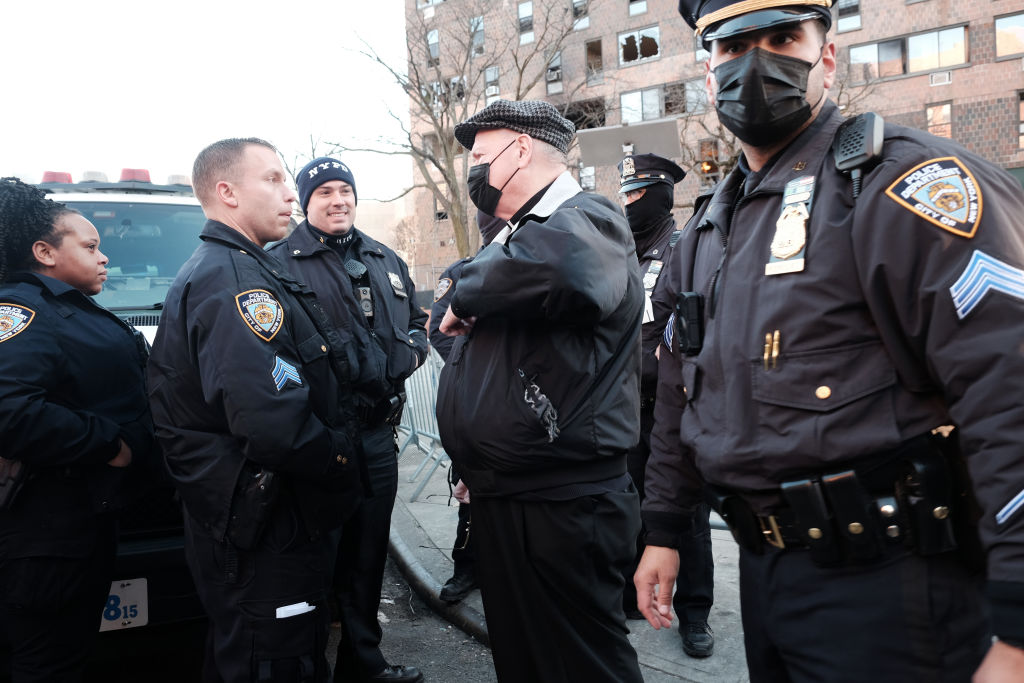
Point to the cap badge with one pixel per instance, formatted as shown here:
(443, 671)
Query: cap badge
(628, 167)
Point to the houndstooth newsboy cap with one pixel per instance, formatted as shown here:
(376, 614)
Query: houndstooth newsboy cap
(536, 118)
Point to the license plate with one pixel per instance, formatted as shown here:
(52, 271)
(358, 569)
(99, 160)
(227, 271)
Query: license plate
(127, 605)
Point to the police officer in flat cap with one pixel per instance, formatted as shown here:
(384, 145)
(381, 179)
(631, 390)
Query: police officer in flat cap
(539, 404)
(366, 289)
(842, 369)
(647, 186)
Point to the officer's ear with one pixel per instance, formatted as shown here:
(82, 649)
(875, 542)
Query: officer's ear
(225, 193)
(45, 253)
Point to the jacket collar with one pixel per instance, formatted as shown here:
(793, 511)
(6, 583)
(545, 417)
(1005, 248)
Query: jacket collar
(305, 242)
(559, 192)
(53, 285)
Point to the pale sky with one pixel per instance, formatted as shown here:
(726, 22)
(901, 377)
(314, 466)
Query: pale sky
(109, 84)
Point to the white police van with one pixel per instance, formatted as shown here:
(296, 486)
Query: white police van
(147, 231)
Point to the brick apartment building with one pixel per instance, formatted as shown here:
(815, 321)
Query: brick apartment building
(953, 68)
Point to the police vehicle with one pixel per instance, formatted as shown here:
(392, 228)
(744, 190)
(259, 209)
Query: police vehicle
(148, 231)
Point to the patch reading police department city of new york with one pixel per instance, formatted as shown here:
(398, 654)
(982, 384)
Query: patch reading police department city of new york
(943, 192)
(261, 312)
(14, 319)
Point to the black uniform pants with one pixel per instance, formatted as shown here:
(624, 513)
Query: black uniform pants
(50, 609)
(695, 584)
(359, 563)
(241, 591)
(464, 550)
(550, 574)
(902, 618)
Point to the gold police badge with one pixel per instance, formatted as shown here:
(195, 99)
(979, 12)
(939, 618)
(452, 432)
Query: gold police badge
(628, 167)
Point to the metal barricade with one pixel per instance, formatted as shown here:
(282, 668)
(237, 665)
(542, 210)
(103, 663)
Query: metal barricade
(419, 419)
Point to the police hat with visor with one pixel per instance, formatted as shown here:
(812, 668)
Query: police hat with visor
(641, 170)
(717, 19)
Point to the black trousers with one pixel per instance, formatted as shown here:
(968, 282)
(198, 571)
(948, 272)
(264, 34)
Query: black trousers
(464, 550)
(362, 552)
(550, 574)
(241, 591)
(695, 584)
(902, 618)
(50, 609)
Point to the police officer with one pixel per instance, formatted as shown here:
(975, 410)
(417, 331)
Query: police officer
(73, 415)
(463, 579)
(647, 183)
(366, 287)
(836, 303)
(247, 382)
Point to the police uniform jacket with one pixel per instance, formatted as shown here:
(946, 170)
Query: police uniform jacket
(442, 298)
(908, 314)
(396, 343)
(652, 264)
(72, 386)
(240, 373)
(545, 389)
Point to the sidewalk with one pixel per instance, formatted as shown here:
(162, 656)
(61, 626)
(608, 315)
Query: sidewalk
(422, 533)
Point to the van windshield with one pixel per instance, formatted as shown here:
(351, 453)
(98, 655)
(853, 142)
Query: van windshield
(146, 243)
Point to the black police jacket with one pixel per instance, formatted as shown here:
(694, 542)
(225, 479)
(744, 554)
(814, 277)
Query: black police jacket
(72, 386)
(442, 298)
(652, 264)
(907, 314)
(396, 344)
(240, 373)
(545, 389)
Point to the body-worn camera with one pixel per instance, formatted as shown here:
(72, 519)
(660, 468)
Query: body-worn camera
(690, 322)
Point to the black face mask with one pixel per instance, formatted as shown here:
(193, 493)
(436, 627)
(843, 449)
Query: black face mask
(484, 195)
(761, 96)
(645, 212)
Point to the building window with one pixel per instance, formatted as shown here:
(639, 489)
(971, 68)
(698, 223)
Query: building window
(588, 178)
(427, 3)
(1020, 119)
(689, 97)
(1010, 35)
(432, 145)
(554, 74)
(476, 28)
(433, 48)
(913, 54)
(595, 65)
(580, 15)
(637, 7)
(439, 215)
(710, 173)
(491, 89)
(640, 105)
(849, 15)
(700, 55)
(434, 94)
(525, 23)
(586, 113)
(940, 121)
(457, 87)
(640, 46)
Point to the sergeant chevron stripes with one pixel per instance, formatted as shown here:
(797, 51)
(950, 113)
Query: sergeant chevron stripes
(982, 275)
(283, 372)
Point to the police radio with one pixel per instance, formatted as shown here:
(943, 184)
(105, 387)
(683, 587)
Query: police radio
(357, 271)
(857, 143)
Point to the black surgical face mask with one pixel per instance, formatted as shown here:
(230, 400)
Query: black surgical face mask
(762, 96)
(484, 195)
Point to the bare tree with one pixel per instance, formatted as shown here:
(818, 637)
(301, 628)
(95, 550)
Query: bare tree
(462, 55)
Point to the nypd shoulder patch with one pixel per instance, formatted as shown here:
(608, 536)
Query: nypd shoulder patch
(443, 285)
(943, 192)
(261, 312)
(982, 275)
(14, 319)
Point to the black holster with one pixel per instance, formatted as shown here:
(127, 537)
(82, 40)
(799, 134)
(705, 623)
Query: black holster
(256, 493)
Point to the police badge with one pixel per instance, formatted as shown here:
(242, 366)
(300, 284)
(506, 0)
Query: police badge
(789, 244)
(397, 285)
(13, 320)
(261, 312)
(628, 167)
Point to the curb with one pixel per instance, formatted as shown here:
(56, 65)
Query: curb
(427, 587)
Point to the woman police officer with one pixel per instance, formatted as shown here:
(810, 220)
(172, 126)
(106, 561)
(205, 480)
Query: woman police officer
(73, 415)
